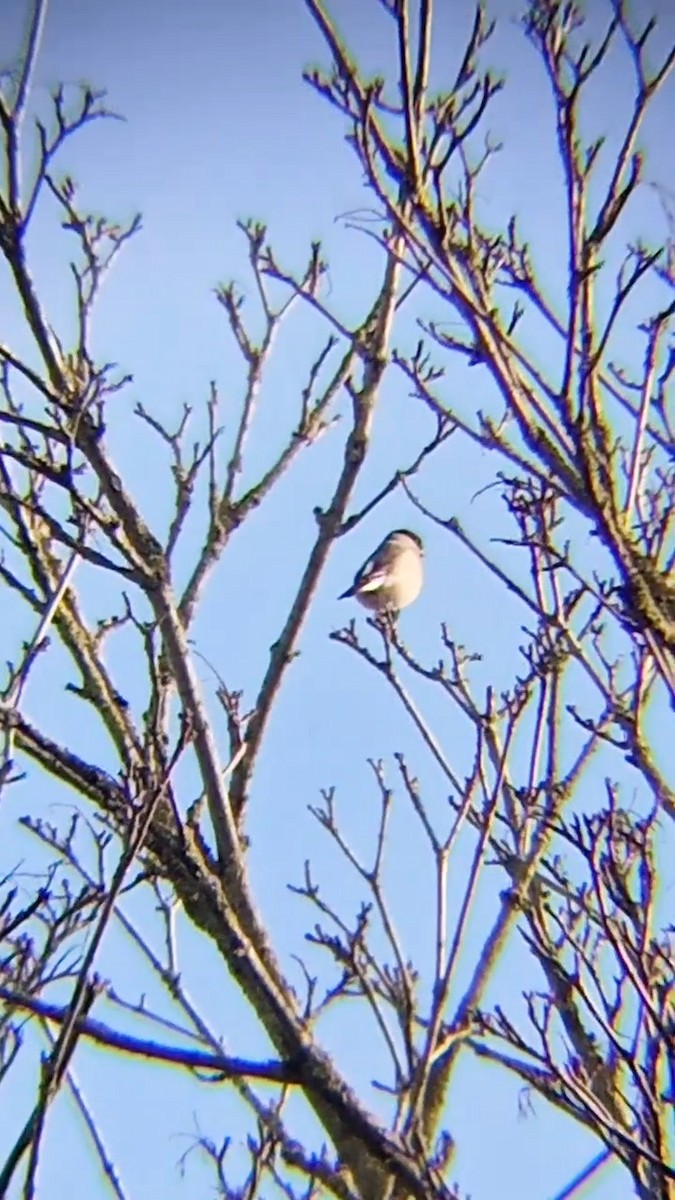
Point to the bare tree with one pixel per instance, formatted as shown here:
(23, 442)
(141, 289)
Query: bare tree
(562, 819)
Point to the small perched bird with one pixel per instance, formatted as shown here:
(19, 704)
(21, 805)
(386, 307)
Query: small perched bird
(392, 577)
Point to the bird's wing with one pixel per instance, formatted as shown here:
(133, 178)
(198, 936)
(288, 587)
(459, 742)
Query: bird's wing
(370, 566)
(372, 575)
(351, 591)
(374, 579)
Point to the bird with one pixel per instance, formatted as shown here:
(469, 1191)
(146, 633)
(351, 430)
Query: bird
(393, 575)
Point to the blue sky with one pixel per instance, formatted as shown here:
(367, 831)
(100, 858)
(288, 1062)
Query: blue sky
(219, 127)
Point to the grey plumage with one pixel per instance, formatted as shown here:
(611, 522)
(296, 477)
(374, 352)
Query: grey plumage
(392, 577)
